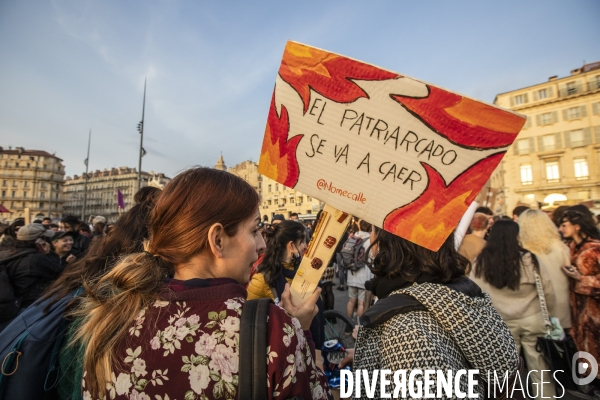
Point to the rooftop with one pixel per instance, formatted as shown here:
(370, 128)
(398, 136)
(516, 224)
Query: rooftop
(25, 152)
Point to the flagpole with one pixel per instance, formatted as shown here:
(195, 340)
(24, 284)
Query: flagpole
(87, 161)
(141, 130)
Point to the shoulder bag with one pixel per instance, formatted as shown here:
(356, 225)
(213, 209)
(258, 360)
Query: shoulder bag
(556, 346)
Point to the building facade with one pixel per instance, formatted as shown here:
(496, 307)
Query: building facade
(556, 158)
(276, 198)
(102, 191)
(32, 184)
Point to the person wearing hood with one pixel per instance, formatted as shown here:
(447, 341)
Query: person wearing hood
(28, 269)
(429, 316)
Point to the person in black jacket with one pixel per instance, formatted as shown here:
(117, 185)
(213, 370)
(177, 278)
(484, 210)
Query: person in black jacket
(28, 268)
(70, 223)
(62, 248)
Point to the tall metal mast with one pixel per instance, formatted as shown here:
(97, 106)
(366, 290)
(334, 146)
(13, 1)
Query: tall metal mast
(141, 130)
(85, 182)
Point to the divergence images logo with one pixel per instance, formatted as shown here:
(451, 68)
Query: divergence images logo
(582, 368)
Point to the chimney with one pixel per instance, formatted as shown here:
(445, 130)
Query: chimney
(552, 78)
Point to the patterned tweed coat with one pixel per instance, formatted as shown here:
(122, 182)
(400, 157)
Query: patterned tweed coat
(456, 332)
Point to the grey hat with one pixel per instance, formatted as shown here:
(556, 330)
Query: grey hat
(33, 231)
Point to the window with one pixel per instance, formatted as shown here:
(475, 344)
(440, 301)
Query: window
(41, 204)
(548, 142)
(542, 94)
(28, 165)
(552, 174)
(578, 137)
(14, 183)
(519, 99)
(25, 184)
(43, 185)
(573, 113)
(571, 88)
(547, 118)
(4, 193)
(277, 187)
(42, 195)
(4, 183)
(24, 194)
(14, 194)
(597, 81)
(17, 165)
(523, 146)
(526, 174)
(292, 200)
(45, 166)
(581, 168)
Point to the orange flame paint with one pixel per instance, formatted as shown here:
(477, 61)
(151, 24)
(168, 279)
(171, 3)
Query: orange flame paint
(330, 75)
(278, 154)
(463, 121)
(430, 219)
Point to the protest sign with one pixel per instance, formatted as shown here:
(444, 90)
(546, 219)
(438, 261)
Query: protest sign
(402, 154)
(329, 230)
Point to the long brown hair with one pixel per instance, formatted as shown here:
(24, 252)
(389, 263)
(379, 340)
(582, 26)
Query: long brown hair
(189, 205)
(127, 237)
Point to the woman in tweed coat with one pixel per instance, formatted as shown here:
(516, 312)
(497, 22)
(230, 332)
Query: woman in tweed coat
(429, 316)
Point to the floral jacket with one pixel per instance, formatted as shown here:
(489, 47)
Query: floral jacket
(185, 346)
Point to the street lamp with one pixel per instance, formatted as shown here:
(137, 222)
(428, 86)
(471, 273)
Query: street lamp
(140, 128)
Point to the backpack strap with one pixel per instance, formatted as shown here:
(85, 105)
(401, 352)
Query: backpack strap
(253, 350)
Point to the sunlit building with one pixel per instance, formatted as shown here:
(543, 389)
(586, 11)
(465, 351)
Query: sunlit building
(276, 198)
(32, 184)
(102, 191)
(556, 157)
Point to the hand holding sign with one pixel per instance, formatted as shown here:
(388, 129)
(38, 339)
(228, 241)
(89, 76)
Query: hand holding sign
(399, 153)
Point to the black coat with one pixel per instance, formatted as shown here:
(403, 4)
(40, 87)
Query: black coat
(31, 274)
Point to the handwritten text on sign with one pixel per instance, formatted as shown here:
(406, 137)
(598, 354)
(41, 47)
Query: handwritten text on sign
(397, 152)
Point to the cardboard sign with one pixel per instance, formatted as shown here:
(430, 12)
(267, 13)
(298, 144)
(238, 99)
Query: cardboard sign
(402, 154)
(328, 232)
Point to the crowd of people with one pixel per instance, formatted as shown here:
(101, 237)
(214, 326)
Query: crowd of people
(163, 290)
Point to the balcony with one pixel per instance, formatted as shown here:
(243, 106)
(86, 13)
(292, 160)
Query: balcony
(579, 89)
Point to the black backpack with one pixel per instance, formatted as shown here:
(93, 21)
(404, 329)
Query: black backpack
(10, 305)
(29, 350)
(353, 254)
(253, 351)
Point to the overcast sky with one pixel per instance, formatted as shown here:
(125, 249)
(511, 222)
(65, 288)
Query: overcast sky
(68, 66)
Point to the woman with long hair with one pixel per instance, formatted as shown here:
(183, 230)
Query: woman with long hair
(506, 271)
(285, 246)
(539, 235)
(148, 336)
(584, 282)
(429, 316)
(131, 229)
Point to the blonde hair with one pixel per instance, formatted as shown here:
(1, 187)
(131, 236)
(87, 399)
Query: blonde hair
(184, 212)
(537, 232)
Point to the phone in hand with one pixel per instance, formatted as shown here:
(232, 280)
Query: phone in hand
(570, 268)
